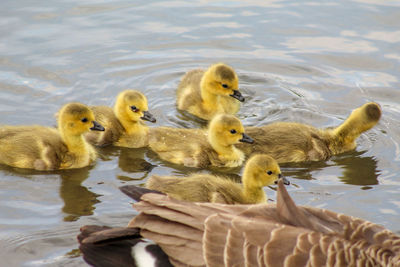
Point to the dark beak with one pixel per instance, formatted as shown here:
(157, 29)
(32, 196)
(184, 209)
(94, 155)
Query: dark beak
(147, 116)
(246, 139)
(97, 126)
(237, 95)
(284, 180)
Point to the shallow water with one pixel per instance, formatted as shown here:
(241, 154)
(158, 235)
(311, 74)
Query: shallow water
(311, 62)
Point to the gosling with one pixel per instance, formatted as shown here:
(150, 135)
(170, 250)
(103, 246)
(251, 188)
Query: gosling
(207, 93)
(201, 148)
(260, 170)
(296, 142)
(45, 148)
(124, 125)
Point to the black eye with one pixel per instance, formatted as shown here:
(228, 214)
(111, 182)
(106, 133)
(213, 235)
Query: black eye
(224, 85)
(134, 108)
(84, 120)
(269, 172)
(233, 131)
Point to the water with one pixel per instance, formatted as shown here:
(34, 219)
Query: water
(311, 62)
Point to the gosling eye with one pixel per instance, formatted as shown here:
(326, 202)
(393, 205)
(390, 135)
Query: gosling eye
(84, 120)
(233, 131)
(134, 109)
(224, 85)
(269, 172)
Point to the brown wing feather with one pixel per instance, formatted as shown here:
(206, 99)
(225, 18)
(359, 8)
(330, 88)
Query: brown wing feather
(214, 239)
(274, 235)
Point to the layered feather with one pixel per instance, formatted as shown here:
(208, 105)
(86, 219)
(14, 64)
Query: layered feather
(205, 234)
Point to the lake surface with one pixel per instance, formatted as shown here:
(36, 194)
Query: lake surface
(310, 62)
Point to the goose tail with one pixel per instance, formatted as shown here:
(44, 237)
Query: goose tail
(104, 246)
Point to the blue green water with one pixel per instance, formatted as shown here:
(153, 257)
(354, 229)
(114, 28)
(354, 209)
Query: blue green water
(311, 62)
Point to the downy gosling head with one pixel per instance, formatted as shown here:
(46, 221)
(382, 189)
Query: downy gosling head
(226, 130)
(75, 119)
(221, 79)
(262, 170)
(131, 105)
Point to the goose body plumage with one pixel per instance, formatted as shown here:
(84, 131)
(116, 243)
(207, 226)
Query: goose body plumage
(201, 148)
(207, 93)
(297, 142)
(45, 148)
(260, 171)
(123, 124)
(213, 234)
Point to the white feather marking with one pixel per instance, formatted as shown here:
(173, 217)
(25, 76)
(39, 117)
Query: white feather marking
(142, 257)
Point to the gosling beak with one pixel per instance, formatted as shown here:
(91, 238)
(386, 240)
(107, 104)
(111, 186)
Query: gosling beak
(97, 126)
(246, 139)
(236, 94)
(284, 180)
(147, 116)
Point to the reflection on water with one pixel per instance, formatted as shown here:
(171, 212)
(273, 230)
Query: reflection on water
(302, 170)
(132, 160)
(78, 200)
(355, 168)
(358, 169)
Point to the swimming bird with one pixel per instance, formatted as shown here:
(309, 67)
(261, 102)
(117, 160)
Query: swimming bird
(297, 142)
(124, 124)
(199, 147)
(213, 234)
(260, 170)
(46, 148)
(207, 93)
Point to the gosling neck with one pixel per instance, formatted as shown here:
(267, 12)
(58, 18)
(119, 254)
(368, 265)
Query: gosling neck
(133, 127)
(210, 100)
(346, 133)
(221, 149)
(75, 143)
(252, 190)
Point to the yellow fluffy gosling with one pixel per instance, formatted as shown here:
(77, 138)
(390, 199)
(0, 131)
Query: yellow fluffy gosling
(207, 93)
(201, 148)
(260, 170)
(296, 142)
(46, 148)
(124, 125)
